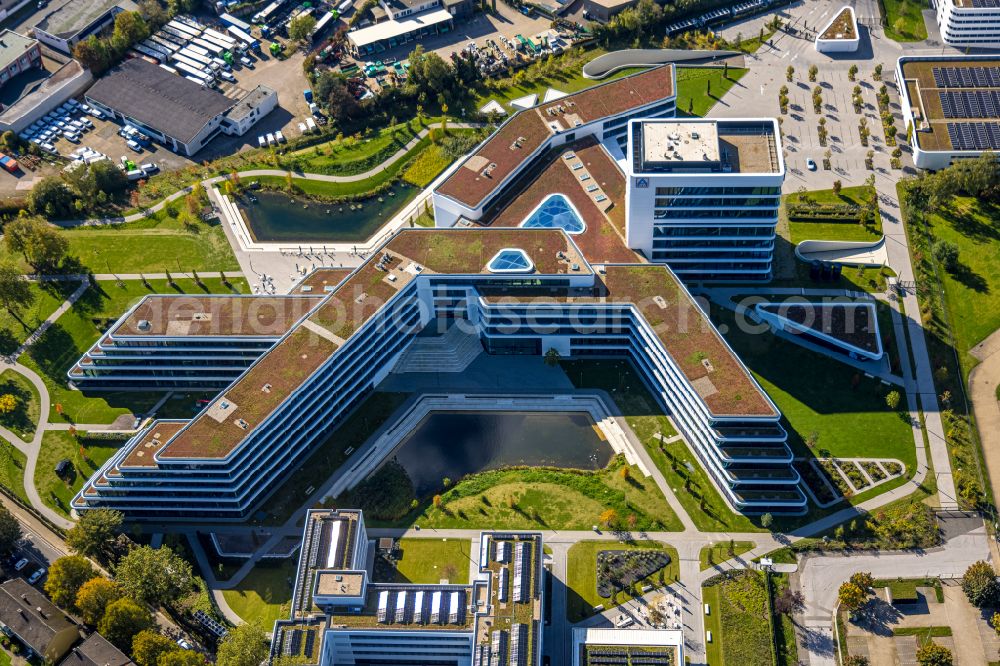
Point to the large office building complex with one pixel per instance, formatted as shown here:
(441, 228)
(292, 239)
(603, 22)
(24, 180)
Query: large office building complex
(223, 463)
(341, 617)
(951, 105)
(969, 23)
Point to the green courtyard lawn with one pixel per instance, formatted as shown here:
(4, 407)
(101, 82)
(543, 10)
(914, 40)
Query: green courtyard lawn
(700, 498)
(568, 80)
(77, 329)
(720, 552)
(23, 420)
(427, 561)
(904, 21)
(581, 574)
(972, 292)
(801, 231)
(349, 155)
(693, 96)
(331, 454)
(739, 621)
(85, 455)
(547, 498)
(848, 420)
(265, 594)
(12, 463)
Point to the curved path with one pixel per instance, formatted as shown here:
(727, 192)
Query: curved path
(155, 208)
(609, 63)
(983, 382)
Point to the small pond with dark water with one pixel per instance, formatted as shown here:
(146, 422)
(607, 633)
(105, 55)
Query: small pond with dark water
(454, 444)
(279, 217)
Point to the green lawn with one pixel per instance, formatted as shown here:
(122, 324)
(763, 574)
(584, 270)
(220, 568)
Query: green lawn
(720, 552)
(86, 455)
(569, 80)
(739, 621)
(581, 574)
(24, 418)
(700, 499)
(78, 328)
(973, 291)
(265, 594)
(903, 20)
(427, 561)
(154, 245)
(349, 155)
(844, 231)
(545, 498)
(47, 297)
(427, 166)
(693, 97)
(12, 463)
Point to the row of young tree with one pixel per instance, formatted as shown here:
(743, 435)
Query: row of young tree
(145, 579)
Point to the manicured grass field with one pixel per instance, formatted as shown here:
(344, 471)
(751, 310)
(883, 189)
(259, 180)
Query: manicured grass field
(48, 297)
(543, 498)
(703, 503)
(801, 231)
(739, 621)
(425, 561)
(693, 98)
(903, 20)
(720, 552)
(570, 80)
(581, 574)
(12, 463)
(86, 455)
(973, 291)
(77, 329)
(24, 418)
(350, 155)
(265, 594)
(850, 421)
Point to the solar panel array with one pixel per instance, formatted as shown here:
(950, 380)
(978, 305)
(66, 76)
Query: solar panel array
(966, 77)
(210, 624)
(974, 136)
(984, 4)
(970, 104)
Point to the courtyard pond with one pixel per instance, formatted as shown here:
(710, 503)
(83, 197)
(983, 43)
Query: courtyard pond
(454, 444)
(279, 217)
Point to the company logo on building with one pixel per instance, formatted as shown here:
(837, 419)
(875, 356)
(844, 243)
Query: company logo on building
(642, 182)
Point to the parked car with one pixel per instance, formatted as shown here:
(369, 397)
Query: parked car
(133, 145)
(279, 137)
(810, 164)
(246, 62)
(21, 563)
(226, 76)
(184, 644)
(261, 141)
(149, 167)
(270, 139)
(35, 577)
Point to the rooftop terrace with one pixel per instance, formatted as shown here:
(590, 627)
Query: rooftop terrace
(521, 136)
(687, 146)
(221, 315)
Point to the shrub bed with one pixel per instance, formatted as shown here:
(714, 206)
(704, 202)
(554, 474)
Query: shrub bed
(838, 482)
(874, 471)
(893, 468)
(854, 474)
(621, 569)
(814, 480)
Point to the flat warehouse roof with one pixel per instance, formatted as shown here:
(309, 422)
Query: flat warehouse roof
(166, 102)
(390, 29)
(13, 46)
(75, 15)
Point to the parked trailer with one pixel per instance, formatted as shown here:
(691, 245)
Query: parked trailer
(169, 69)
(153, 46)
(191, 54)
(230, 20)
(244, 37)
(171, 46)
(345, 5)
(188, 70)
(212, 49)
(218, 37)
(225, 46)
(200, 50)
(263, 15)
(193, 64)
(322, 24)
(183, 28)
(142, 50)
(181, 37)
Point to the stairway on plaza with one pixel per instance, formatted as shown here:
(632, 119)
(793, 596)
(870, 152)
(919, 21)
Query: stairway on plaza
(451, 351)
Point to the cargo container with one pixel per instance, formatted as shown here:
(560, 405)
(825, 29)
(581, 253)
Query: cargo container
(184, 29)
(8, 163)
(322, 24)
(230, 20)
(308, 94)
(213, 49)
(218, 37)
(244, 37)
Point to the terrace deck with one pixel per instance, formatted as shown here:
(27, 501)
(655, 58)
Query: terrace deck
(685, 332)
(603, 241)
(217, 431)
(923, 92)
(217, 316)
(322, 280)
(144, 452)
(527, 130)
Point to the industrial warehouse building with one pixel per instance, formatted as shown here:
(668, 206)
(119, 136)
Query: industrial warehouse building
(175, 111)
(69, 22)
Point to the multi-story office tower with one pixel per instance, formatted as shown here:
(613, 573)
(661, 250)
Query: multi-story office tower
(222, 464)
(703, 195)
(341, 617)
(969, 23)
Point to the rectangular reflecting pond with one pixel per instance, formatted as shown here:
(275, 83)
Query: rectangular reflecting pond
(279, 217)
(454, 444)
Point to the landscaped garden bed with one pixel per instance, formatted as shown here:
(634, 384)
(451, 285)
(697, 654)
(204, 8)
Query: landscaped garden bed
(829, 470)
(621, 569)
(853, 473)
(874, 470)
(814, 482)
(841, 27)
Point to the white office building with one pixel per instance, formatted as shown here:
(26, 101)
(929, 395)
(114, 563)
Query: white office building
(969, 23)
(702, 195)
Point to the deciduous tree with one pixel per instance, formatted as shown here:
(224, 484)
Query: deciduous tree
(40, 244)
(980, 585)
(66, 576)
(149, 645)
(154, 575)
(181, 658)
(851, 596)
(301, 27)
(122, 620)
(8, 403)
(94, 531)
(932, 654)
(93, 598)
(245, 645)
(10, 531)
